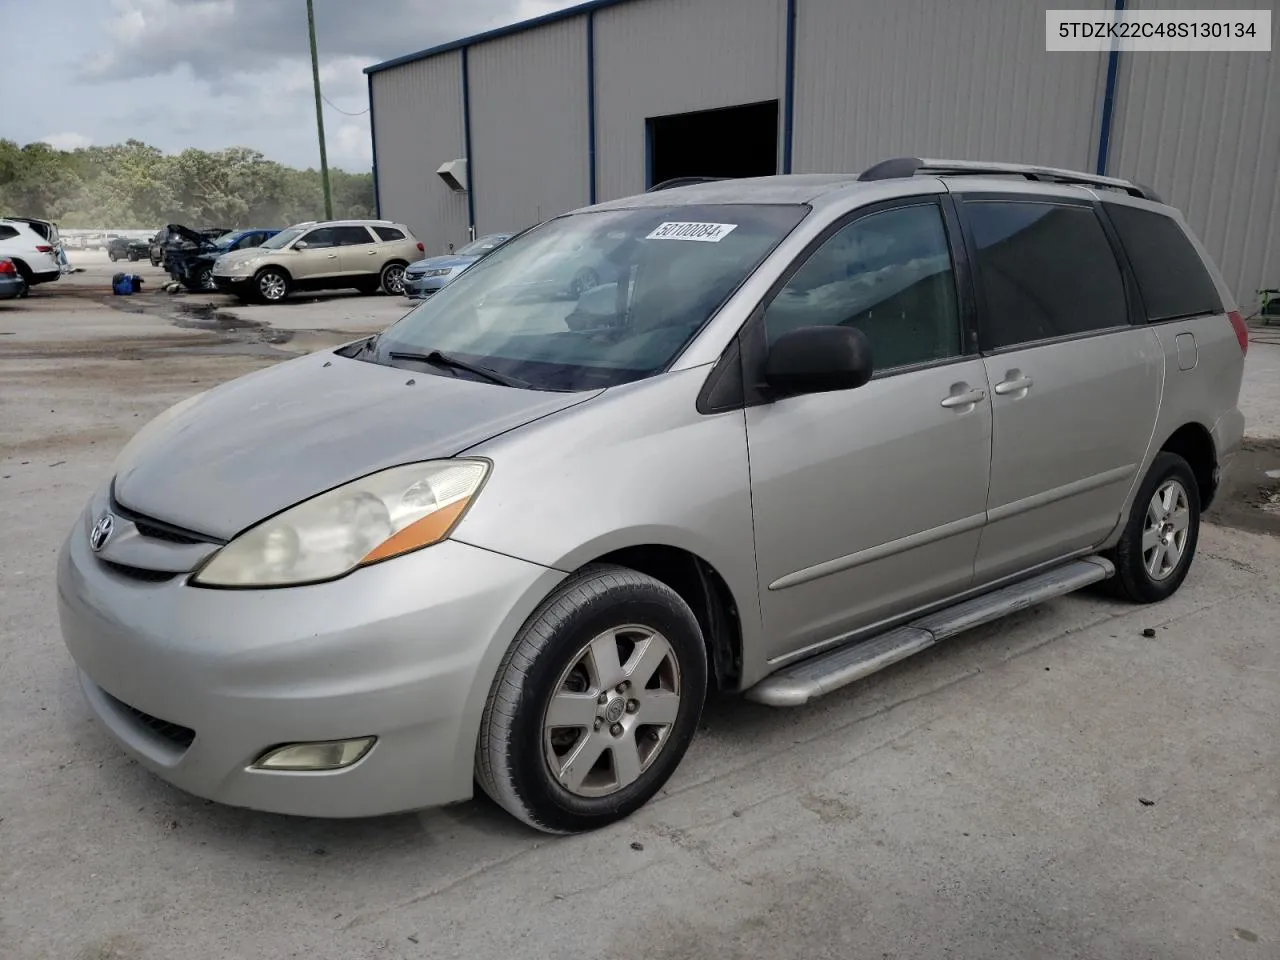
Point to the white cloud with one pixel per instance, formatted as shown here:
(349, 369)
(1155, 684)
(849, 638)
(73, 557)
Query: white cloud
(67, 141)
(219, 73)
(350, 145)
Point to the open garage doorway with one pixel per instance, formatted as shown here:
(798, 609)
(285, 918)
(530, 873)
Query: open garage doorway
(729, 142)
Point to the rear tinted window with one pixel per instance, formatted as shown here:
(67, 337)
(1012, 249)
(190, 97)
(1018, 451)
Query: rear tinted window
(1171, 276)
(388, 233)
(351, 236)
(7, 233)
(1046, 270)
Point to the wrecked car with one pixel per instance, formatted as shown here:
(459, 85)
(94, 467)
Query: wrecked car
(192, 266)
(175, 237)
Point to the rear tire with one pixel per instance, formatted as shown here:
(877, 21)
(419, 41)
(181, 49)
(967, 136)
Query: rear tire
(1159, 540)
(392, 279)
(112, 257)
(621, 658)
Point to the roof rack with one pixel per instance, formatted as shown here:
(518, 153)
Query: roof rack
(899, 167)
(682, 182)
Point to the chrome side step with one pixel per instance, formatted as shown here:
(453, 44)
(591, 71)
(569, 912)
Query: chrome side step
(809, 679)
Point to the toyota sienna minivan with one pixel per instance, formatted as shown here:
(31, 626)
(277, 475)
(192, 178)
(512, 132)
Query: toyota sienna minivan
(810, 426)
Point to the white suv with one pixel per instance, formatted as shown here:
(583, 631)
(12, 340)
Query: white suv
(36, 257)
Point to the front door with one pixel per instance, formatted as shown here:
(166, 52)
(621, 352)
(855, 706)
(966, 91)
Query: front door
(869, 502)
(1075, 387)
(319, 259)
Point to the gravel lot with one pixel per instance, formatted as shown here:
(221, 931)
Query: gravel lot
(1057, 785)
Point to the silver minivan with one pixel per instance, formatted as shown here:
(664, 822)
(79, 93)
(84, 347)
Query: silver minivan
(809, 426)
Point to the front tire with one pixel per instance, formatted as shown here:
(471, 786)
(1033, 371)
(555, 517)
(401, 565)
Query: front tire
(112, 257)
(595, 703)
(1159, 540)
(271, 285)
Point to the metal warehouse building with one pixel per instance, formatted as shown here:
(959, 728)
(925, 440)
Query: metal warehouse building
(501, 130)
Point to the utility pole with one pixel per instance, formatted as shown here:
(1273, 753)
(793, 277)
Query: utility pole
(315, 77)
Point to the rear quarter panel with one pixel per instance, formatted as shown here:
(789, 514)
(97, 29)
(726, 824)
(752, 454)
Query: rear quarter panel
(1208, 392)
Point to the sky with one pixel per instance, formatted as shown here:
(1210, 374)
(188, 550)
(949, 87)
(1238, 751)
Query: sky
(216, 73)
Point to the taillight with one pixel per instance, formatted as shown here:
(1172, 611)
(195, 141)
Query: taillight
(6, 266)
(1241, 328)
(44, 248)
(421, 248)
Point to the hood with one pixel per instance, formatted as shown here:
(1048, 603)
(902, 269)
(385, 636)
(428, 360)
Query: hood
(439, 263)
(178, 233)
(252, 447)
(243, 256)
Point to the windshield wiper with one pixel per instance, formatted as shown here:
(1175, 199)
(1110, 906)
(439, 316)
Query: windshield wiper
(439, 359)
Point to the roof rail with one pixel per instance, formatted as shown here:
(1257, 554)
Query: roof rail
(913, 166)
(682, 182)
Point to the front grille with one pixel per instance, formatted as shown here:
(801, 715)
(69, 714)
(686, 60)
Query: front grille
(138, 573)
(180, 736)
(158, 529)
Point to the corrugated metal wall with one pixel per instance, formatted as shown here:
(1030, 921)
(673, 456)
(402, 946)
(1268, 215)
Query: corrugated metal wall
(874, 78)
(966, 80)
(673, 56)
(529, 125)
(1203, 129)
(417, 111)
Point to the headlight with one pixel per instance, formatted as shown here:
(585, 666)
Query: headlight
(438, 272)
(375, 518)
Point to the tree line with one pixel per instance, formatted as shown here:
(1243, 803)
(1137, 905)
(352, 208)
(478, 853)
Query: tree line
(137, 186)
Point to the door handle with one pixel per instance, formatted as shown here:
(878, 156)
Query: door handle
(373, 253)
(1014, 385)
(331, 256)
(967, 398)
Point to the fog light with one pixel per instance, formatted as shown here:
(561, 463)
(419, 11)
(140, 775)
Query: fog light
(323, 755)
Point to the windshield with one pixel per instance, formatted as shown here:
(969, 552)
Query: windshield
(594, 299)
(482, 245)
(226, 239)
(283, 238)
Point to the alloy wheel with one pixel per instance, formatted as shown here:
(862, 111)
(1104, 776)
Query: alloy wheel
(393, 279)
(1164, 533)
(272, 286)
(612, 711)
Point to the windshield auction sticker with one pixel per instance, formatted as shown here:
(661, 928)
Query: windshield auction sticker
(701, 232)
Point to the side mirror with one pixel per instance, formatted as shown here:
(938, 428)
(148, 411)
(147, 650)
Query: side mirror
(301, 245)
(818, 360)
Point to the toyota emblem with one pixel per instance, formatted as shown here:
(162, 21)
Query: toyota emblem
(102, 531)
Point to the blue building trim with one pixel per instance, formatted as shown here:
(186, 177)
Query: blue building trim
(1109, 100)
(591, 105)
(373, 138)
(567, 14)
(789, 92)
(466, 143)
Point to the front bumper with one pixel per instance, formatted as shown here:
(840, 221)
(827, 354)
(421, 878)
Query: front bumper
(197, 683)
(241, 286)
(419, 288)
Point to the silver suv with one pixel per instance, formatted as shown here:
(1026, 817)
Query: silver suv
(366, 254)
(811, 425)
